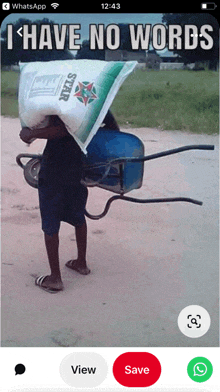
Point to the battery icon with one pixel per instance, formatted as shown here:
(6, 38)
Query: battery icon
(208, 6)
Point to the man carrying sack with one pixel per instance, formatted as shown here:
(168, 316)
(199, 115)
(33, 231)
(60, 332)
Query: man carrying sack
(62, 197)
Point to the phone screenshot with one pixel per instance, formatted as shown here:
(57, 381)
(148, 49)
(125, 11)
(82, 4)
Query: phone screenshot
(109, 197)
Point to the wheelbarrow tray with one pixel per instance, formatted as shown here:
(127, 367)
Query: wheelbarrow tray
(119, 177)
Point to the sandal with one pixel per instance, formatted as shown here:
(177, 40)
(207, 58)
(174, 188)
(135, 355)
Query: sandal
(39, 282)
(72, 264)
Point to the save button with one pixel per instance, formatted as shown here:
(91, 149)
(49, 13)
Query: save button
(137, 369)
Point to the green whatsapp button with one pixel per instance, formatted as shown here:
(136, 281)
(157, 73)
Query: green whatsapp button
(199, 369)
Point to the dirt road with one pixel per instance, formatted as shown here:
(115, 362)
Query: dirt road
(148, 262)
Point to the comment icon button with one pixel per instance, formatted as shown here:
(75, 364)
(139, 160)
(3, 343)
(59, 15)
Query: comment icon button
(19, 369)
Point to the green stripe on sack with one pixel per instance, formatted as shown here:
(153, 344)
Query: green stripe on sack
(103, 86)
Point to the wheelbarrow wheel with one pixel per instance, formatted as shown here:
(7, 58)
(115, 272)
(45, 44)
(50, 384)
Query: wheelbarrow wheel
(31, 171)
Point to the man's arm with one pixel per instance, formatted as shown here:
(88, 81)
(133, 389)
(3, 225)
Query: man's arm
(110, 122)
(52, 131)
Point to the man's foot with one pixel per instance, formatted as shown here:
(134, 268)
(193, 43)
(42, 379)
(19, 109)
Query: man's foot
(76, 266)
(49, 284)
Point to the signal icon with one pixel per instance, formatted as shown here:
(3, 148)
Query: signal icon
(54, 5)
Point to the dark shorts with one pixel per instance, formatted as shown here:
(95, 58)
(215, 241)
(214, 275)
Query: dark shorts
(62, 198)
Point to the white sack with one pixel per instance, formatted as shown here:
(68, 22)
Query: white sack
(80, 92)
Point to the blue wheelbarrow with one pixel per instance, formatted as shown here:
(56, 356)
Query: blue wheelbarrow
(115, 162)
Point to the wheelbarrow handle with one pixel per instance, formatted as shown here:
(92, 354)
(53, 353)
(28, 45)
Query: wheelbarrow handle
(165, 153)
(144, 201)
(20, 156)
(180, 149)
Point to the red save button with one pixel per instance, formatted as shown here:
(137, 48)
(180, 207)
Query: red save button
(138, 369)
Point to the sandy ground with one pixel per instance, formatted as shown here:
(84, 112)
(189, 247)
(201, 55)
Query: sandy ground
(148, 261)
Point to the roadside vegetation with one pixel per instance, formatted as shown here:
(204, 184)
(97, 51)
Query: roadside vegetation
(169, 100)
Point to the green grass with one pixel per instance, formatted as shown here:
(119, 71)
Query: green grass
(9, 101)
(171, 100)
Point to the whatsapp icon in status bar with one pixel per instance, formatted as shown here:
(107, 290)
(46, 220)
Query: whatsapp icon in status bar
(199, 369)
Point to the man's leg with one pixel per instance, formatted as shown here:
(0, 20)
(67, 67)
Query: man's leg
(52, 247)
(81, 242)
(79, 264)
